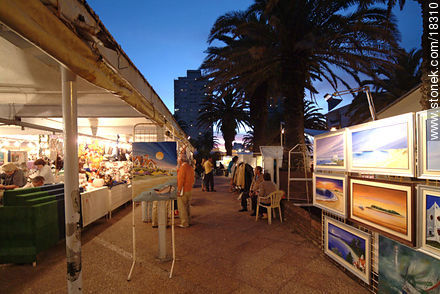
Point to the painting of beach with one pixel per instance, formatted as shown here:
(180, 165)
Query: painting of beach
(348, 246)
(404, 270)
(329, 193)
(433, 156)
(329, 151)
(382, 206)
(154, 165)
(381, 147)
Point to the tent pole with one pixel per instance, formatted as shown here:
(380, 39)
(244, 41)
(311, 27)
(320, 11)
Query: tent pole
(71, 183)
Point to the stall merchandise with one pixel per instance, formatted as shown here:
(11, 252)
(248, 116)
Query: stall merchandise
(429, 219)
(330, 151)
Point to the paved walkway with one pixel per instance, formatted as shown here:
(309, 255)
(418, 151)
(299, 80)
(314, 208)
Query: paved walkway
(223, 252)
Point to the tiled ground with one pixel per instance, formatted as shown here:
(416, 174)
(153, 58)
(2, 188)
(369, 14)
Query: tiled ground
(223, 252)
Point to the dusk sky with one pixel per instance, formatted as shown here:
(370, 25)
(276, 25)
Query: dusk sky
(166, 38)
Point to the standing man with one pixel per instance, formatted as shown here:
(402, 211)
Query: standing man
(209, 175)
(185, 182)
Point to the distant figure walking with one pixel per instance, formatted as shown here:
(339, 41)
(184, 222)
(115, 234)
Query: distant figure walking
(209, 175)
(185, 182)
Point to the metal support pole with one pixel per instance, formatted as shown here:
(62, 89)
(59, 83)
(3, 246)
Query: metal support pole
(370, 103)
(71, 183)
(162, 222)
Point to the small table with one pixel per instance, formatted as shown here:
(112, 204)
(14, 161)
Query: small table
(150, 196)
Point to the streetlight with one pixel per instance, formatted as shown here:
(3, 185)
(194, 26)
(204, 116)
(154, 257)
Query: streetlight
(332, 101)
(281, 132)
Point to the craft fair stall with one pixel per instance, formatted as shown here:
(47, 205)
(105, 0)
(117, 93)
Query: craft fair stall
(378, 187)
(62, 72)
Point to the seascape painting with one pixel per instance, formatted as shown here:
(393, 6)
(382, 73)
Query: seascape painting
(330, 151)
(348, 246)
(428, 125)
(329, 193)
(383, 206)
(404, 270)
(384, 147)
(430, 219)
(154, 165)
(433, 155)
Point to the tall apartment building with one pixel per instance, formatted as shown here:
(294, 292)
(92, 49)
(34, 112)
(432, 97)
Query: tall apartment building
(189, 93)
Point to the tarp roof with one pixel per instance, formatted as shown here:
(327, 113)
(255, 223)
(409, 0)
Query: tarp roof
(37, 36)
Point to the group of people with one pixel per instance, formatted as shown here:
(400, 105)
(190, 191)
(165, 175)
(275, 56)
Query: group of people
(261, 185)
(13, 177)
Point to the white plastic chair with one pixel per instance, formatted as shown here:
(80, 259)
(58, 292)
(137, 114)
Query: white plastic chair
(275, 200)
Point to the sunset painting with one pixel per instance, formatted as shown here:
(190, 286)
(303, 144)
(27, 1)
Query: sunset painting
(329, 193)
(383, 206)
(329, 151)
(381, 147)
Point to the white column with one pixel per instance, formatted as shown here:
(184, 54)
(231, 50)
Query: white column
(162, 222)
(71, 183)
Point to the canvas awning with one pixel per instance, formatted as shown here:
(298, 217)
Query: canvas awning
(37, 36)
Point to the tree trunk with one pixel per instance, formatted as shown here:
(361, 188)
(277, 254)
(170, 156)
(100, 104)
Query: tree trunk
(426, 50)
(258, 115)
(294, 111)
(228, 136)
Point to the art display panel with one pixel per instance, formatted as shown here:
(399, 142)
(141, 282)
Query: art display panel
(330, 151)
(349, 247)
(384, 206)
(428, 139)
(383, 146)
(429, 220)
(154, 165)
(404, 270)
(330, 193)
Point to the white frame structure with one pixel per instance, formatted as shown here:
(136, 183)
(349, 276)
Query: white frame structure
(367, 237)
(422, 169)
(422, 191)
(342, 213)
(409, 119)
(342, 133)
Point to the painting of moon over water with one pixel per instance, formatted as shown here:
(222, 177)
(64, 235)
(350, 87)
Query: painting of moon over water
(330, 193)
(381, 147)
(330, 151)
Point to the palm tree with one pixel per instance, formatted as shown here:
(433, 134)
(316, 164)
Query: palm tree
(228, 112)
(204, 144)
(389, 84)
(426, 66)
(297, 42)
(313, 117)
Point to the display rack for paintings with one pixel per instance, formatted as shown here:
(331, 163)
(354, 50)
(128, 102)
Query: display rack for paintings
(301, 151)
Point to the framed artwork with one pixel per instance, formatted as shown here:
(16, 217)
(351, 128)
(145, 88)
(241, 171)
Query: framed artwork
(154, 165)
(404, 270)
(330, 193)
(18, 156)
(383, 146)
(349, 247)
(330, 151)
(384, 206)
(2, 158)
(428, 147)
(429, 219)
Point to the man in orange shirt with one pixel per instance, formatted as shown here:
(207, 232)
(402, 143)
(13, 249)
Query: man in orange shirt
(185, 182)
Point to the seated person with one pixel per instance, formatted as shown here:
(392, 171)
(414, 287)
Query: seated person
(264, 189)
(38, 181)
(13, 177)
